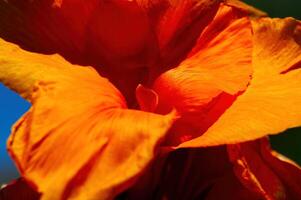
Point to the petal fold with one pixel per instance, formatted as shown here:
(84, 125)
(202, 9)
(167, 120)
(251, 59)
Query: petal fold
(21, 70)
(288, 171)
(147, 98)
(264, 171)
(275, 89)
(199, 173)
(208, 77)
(177, 25)
(254, 173)
(277, 46)
(78, 140)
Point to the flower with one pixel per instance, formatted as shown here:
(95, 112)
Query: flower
(151, 99)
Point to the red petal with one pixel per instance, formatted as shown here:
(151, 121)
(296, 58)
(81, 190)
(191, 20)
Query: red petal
(253, 171)
(41, 26)
(179, 27)
(18, 190)
(261, 170)
(288, 172)
(191, 174)
(228, 187)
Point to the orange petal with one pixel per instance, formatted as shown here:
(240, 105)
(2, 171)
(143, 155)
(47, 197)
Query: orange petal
(254, 12)
(21, 70)
(77, 130)
(224, 51)
(208, 72)
(113, 36)
(277, 46)
(275, 90)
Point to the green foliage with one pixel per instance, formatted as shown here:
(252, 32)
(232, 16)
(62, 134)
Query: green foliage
(278, 8)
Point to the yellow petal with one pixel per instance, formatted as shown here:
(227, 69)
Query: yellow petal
(271, 104)
(277, 46)
(78, 140)
(21, 70)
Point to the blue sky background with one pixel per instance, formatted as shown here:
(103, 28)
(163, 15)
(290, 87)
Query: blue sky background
(13, 106)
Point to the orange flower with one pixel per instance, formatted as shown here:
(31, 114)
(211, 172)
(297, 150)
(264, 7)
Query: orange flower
(137, 89)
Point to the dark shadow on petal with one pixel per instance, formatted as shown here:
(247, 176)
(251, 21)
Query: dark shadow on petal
(18, 190)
